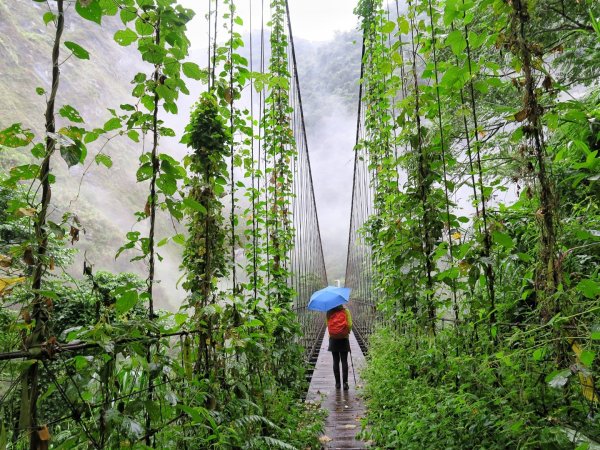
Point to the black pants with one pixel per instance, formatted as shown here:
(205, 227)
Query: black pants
(336, 366)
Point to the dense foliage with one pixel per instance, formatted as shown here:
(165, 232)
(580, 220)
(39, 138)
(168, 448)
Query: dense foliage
(482, 142)
(93, 362)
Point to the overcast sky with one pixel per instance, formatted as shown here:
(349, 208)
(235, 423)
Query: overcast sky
(315, 20)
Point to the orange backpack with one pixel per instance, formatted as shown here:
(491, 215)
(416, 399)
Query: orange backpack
(337, 324)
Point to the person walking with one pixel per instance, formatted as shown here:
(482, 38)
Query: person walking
(339, 325)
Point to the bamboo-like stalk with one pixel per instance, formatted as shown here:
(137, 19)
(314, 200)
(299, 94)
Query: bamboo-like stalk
(443, 155)
(487, 238)
(423, 186)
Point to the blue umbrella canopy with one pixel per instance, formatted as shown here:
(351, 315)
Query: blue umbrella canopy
(328, 298)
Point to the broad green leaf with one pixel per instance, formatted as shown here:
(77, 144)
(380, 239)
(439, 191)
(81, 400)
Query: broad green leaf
(15, 136)
(165, 93)
(25, 172)
(170, 107)
(38, 150)
(191, 70)
(133, 135)
(112, 124)
(167, 184)
(198, 414)
(193, 204)
(70, 113)
(126, 301)
(449, 274)
(449, 15)
(127, 14)
(539, 353)
(90, 10)
(457, 42)
(180, 318)
(476, 40)
(153, 53)
(90, 137)
(81, 362)
(103, 159)
(148, 102)
(110, 7)
(179, 239)
(403, 25)
(503, 239)
(482, 86)
(143, 28)
(589, 288)
(78, 50)
(388, 27)
(386, 67)
(49, 17)
(587, 357)
(74, 153)
(144, 172)
(125, 37)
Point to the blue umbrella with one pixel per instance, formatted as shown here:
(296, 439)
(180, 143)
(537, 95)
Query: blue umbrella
(328, 298)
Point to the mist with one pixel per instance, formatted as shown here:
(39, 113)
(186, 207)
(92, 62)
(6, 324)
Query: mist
(105, 200)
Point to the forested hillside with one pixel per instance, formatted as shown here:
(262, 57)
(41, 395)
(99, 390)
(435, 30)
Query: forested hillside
(104, 208)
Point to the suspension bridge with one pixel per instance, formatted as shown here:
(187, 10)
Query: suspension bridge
(345, 408)
(459, 103)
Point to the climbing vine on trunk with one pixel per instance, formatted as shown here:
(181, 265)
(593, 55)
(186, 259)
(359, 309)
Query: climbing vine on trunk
(280, 148)
(204, 257)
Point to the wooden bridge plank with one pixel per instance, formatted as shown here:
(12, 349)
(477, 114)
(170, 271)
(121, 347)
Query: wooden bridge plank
(346, 408)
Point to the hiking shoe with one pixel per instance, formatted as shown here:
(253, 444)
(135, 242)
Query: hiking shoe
(337, 385)
(346, 387)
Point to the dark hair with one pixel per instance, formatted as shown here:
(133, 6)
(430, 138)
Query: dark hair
(337, 308)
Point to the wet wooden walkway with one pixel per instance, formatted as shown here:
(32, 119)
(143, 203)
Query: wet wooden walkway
(346, 408)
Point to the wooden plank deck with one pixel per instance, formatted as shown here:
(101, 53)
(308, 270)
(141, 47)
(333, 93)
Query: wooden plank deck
(345, 407)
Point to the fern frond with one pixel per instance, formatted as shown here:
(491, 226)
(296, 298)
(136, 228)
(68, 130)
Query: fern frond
(253, 419)
(271, 443)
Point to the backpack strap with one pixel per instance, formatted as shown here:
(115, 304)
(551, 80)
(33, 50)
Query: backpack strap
(349, 318)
